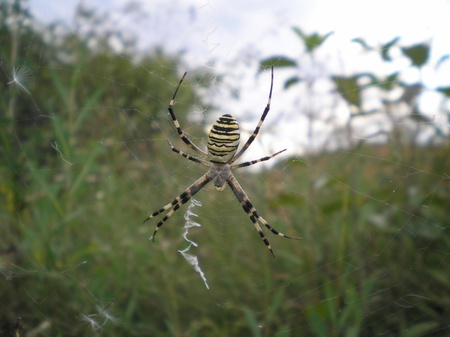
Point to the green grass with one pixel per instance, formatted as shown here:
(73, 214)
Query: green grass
(371, 261)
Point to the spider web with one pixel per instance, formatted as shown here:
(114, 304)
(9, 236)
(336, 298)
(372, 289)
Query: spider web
(85, 159)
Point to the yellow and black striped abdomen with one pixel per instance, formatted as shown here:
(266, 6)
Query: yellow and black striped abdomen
(223, 139)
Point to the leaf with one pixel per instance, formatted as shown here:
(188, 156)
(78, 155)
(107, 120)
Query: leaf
(332, 206)
(387, 83)
(60, 88)
(442, 60)
(390, 82)
(283, 332)
(84, 113)
(275, 305)
(418, 54)
(444, 90)
(62, 136)
(86, 168)
(315, 315)
(252, 323)
(311, 41)
(386, 47)
(439, 276)
(362, 43)
(291, 81)
(277, 62)
(349, 89)
(421, 329)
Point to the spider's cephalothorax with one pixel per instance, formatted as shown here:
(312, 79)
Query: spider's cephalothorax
(223, 141)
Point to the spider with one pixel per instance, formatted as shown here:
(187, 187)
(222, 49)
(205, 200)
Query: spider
(223, 142)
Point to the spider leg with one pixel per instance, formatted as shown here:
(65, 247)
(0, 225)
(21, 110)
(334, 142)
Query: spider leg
(253, 214)
(252, 162)
(258, 127)
(177, 125)
(187, 156)
(178, 201)
(261, 234)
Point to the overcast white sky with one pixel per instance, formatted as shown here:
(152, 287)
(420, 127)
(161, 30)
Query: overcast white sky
(216, 28)
(217, 33)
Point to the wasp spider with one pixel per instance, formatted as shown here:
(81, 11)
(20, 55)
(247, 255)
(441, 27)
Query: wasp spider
(223, 141)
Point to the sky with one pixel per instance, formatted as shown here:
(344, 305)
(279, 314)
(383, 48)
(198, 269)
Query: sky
(232, 36)
(218, 28)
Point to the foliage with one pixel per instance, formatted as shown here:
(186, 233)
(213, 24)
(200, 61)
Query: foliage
(353, 87)
(75, 261)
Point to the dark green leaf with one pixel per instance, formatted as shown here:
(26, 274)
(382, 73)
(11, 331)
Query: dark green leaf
(291, 81)
(386, 47)
(277, 62)
(444, 90)
(439, 277)
(362, 43)
(387, 83)
(390, 82)
(418, 54)
(252, 323)
(311, 41)
(332, 206)
(349, 89)
(284, 331)
(86, 109)
(299, 32)
(421, 329)
(315, 315)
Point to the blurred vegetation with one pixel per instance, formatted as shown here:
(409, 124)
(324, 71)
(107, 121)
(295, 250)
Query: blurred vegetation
(80, 164)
